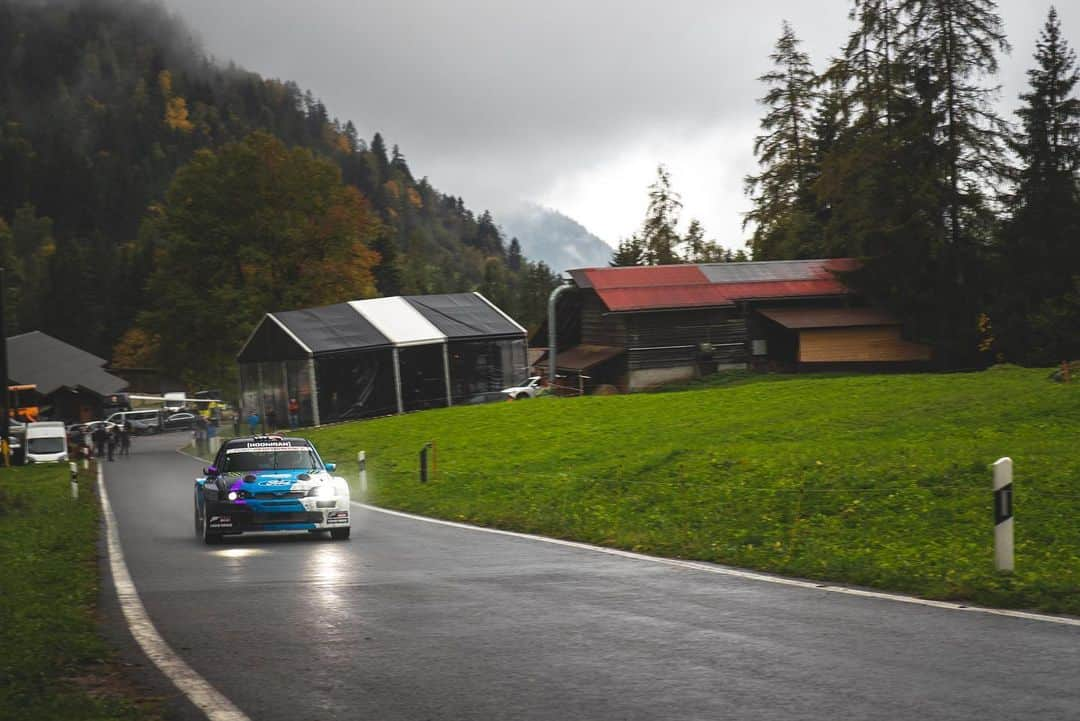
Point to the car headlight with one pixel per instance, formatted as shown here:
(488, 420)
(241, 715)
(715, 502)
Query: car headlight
(233, 495)
(326, 490)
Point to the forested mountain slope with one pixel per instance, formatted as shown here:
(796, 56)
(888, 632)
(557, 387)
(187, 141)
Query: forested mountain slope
(102, 102)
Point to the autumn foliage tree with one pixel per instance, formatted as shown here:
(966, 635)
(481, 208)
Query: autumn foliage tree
(255, 227)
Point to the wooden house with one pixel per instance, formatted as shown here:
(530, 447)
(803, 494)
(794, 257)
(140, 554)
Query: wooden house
(639, 327)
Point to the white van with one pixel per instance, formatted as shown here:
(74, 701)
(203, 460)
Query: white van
(46, 442)
(144, 421)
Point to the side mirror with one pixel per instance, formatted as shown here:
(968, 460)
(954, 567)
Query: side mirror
(210, 471)
(331, 467)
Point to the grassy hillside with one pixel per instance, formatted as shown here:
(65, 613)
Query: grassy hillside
(875, 480)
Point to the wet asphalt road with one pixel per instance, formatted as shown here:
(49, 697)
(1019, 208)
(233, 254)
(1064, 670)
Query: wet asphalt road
(411, 620)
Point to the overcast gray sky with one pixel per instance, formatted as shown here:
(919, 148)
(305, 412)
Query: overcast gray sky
(570, 104)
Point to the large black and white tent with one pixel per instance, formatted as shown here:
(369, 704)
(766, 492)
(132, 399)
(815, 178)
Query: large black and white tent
(379, 356)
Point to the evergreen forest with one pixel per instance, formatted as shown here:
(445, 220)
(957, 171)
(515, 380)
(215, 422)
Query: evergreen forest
(967, 223)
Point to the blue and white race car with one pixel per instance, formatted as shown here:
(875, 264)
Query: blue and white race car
(270, 483)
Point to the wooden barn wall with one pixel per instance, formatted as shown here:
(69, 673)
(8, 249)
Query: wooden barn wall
(877, 344)
(598, 326)
(661, 340)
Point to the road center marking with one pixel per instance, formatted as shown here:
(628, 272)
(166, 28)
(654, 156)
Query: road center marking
(197, 689)
(736, 573)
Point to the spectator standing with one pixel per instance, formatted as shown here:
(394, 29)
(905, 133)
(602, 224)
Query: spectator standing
(125, 438)
(294, 413)
(253, 422)
(112, 440)
(100, 436)
(200, 435)
(211, 434)
(271, 419)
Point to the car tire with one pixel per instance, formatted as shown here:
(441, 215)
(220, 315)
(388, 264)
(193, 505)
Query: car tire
(521, 396)
(340, 534)
(208, 538)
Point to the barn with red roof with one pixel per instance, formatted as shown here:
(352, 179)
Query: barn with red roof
(638, 327)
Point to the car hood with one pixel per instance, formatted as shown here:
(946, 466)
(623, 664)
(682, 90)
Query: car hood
(281, 481)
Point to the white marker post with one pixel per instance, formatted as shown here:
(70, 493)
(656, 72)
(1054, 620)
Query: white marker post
(361, 458)
(1003, 514)
(74, 468)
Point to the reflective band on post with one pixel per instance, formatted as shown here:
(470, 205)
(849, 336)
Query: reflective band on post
(1003, 514)
(1003, 504)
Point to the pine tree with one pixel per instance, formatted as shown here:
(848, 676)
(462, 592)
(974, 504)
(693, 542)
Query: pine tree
(697, 248)
(783, 150)
(388, 272)
(513, 257)
(950, 45)
(1041, 237)
(658, 233)
(378, 152)
(631, 251)
(870, 61)
(398, 163)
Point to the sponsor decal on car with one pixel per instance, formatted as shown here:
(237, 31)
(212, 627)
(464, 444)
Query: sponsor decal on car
(337, 517)
(221, 521)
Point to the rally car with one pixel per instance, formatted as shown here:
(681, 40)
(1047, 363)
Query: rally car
(270, 483)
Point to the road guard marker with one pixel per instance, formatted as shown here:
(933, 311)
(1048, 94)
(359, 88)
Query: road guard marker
(1003, 515)
(197, 689)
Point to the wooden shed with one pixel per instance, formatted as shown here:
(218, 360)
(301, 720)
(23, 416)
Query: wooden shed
(827, 336)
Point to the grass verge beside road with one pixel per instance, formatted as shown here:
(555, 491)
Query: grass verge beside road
(877, 480)
(53, 661)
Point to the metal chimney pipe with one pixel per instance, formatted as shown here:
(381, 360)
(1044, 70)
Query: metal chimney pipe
(552, 348)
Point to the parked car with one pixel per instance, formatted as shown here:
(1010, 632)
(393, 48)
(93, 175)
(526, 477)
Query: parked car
(531, 388)
(142, 422)
(183, 421)
(91, 426)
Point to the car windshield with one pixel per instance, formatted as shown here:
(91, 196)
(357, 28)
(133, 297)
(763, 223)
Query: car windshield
(292, 459)
(45, 445)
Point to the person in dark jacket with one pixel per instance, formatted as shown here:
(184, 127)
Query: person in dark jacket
(100, 436)
(125, 438)
(112, 441)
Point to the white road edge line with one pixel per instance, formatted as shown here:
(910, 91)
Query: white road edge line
(736, 573)
(197, 689)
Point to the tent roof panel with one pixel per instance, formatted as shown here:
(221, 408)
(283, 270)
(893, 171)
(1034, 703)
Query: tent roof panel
(332, 329)
(464, 315)
(399, 321)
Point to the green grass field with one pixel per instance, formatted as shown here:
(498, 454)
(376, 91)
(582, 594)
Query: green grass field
(878, 480)
(53, 662)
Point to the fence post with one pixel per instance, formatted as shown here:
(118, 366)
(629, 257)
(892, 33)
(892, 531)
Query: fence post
(423, 463)
(361, 459)
(1003, 514)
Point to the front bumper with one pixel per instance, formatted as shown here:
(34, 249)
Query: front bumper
(311, 515)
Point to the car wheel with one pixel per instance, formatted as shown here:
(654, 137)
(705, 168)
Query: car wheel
(340, 534)
(209, 538)
(521, 396)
